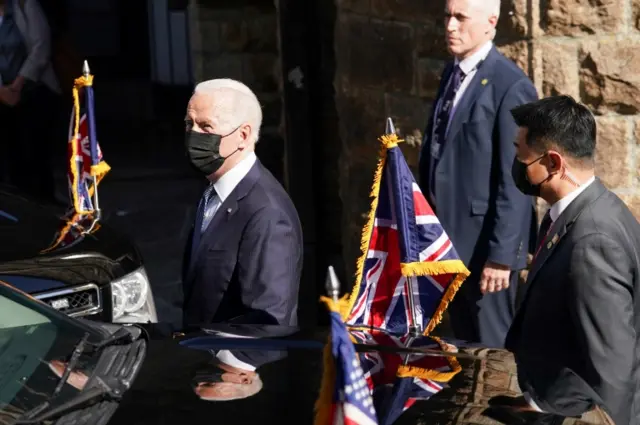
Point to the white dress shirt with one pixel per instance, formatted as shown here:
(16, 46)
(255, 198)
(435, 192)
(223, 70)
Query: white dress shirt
(554, 212)
(469, 67)
(229, 180)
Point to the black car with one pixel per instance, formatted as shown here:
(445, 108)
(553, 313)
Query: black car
(98, 275)
(55, 369)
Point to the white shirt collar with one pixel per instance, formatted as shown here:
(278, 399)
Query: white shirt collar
(468, 64)
(229, 180)
(557, 208)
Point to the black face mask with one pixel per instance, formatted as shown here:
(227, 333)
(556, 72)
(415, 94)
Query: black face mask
(204, 151)
(519, 174)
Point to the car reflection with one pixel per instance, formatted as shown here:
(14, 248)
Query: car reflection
(233, 374)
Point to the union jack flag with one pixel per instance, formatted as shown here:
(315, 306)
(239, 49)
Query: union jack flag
(398, 380)
(345, 397)
(85, 169)
(403, 244)
(85, 155)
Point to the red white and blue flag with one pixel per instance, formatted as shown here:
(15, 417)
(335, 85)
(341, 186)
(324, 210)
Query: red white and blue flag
(86, 164)
(403, 243)
(398, 380)
(345, 396)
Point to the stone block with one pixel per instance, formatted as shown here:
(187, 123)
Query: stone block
(431, 43)
(362, 117)
(612, 151)
(580, 17)
(559, 69)
(635, 12)
(380, 54)
(234, 35)
(221, 66)
(358, 6)
(209, 36)
(259, 72)
(633, 202)
(519, 53)
(409, 114)
(262, 34)
(407, 10)
(608, 78)
(429, 75)
(514, 20)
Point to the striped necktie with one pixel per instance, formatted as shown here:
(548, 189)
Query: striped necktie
(207, 207)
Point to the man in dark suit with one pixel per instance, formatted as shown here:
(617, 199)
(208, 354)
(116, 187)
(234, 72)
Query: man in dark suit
(575, 336)
(244, 257)
(465, 170)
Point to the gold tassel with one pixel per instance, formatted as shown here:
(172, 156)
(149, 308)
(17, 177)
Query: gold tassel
(324, 402)
(387, 142)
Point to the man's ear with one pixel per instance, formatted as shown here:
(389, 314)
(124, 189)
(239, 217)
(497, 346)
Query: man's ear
(555, 162)
(245, 136)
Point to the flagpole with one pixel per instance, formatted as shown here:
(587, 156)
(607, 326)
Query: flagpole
(332, 284)
(92, 134)
(414, 327)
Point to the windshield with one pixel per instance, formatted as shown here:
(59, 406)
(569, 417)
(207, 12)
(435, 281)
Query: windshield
(35, 344)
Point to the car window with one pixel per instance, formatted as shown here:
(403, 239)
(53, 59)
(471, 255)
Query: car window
(25, 338)
(34, 339)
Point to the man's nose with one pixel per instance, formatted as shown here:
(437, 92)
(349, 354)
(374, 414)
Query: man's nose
(451, 24)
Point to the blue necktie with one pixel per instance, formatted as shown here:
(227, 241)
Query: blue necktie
(204, 214)
(444, 113)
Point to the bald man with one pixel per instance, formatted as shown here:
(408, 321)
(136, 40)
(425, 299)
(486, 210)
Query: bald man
(465, 170)
(244, 256)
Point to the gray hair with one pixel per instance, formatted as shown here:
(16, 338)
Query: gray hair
(235, 105)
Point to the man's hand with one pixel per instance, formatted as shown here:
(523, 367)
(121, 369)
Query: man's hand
(495, 278)
(9, 97)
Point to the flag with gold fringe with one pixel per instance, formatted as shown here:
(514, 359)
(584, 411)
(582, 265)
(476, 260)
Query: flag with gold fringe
(86, 164)
(409, 270)
(86, 168)
(345, 398)
(398, 380)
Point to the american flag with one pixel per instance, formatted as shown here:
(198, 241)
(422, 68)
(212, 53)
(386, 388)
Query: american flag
(425, 375)
(350, 402)
(403, 243)
(85, 155)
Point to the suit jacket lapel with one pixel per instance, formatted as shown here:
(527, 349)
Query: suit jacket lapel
(228, 208)
(469, 97)
(562, 225)
(559, 230)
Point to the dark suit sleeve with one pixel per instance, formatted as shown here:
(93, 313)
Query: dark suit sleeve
(512, 207)
(601, 311)
(268, 266)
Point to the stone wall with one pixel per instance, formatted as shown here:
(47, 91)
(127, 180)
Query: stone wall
(239, 39)
(389, 55)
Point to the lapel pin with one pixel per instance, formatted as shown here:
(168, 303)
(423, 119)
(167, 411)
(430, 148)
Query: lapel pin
(229, 210)
(553, 240)
(484, 82)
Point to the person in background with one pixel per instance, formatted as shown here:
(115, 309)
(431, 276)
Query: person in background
(244, 256)
(28, 93)
(465, 171)
(575, 337)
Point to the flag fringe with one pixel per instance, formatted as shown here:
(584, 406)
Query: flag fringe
(324, 403)
(99, 170)
(431, 268)
(387, 141)
(405, 371)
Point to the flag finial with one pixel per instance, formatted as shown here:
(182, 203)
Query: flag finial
(332, 284)
(390, 129)
(85, 69)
